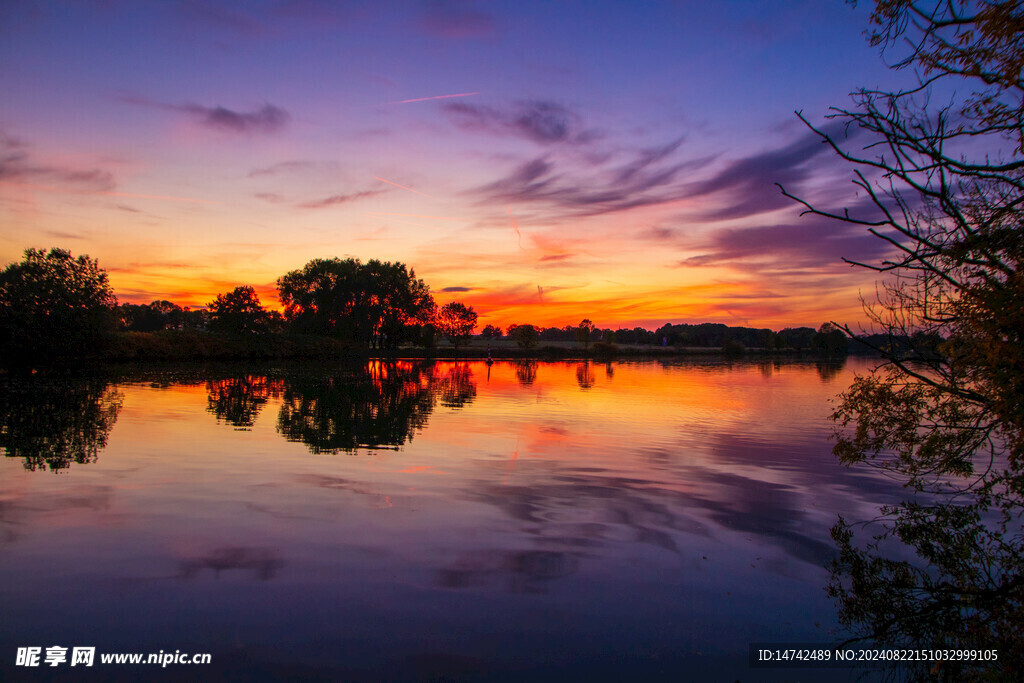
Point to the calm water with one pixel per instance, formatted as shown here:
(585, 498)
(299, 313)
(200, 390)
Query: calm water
(410, 521)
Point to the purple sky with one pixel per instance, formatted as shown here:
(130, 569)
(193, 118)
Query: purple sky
(541, 161)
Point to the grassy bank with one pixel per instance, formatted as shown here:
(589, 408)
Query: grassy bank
(193, 345)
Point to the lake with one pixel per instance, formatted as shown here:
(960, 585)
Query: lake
(413, 521)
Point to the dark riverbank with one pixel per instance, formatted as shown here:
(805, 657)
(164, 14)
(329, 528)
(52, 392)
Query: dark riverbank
(176, 346)
(193, 345)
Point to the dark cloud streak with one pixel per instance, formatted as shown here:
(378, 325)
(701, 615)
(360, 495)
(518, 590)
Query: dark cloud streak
(267, 119)
(18, 165)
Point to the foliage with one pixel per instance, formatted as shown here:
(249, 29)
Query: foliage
(524, 335)
(53, 305)
(944, 412)
(238, 312)
(491, 332)
(830, 339)
(456, 321)
(158, 315)
(583, 332)
(368, 303)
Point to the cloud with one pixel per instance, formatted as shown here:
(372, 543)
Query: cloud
(17, 164)
(455, 19)
(339, 199)
(63, 235)
(267, 119)
(748, 185)
(809, 243)
(539, 121)
(556, 257)
(457, 289)
(585, 192)
(282, 168)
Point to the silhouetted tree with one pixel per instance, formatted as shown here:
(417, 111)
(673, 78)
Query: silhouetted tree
(830, 339)
(369, 304)
(490, 332)
(583, 332)
(53, 305)
(944, 414)
(525, 335)
(238, 312)
(456, 321)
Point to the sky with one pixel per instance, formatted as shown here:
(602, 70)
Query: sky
(542, 162)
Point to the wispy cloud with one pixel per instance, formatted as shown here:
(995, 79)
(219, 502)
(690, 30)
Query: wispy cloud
(285, 167)
(747, 186)
(334, 200)
(807, 244)
(457, 289)
(591, 191)
(267, 119)
(539, 121)
(19, 165)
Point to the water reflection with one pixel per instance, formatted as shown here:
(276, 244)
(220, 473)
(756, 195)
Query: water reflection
(52, 423)
(376, 407)
(829, 369)
(238, 400)
(260, 563)
(585, 375)
(681, 508)
(455, 387)
(526, 372)
(379, 406)
(514, 571)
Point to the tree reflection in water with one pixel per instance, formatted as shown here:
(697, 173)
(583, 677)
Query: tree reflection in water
(585, 375)
(829, 369)
(380, 405)
(238, 400)
(456, 388)
(53, 423)
(526, 372)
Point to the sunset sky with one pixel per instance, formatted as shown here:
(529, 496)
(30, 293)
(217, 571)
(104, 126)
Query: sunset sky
(543, 162)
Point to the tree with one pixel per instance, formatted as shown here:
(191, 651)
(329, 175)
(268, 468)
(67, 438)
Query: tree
(370, 303)
(583, 332)
(491, 332)
(525, 335)
(830, 340)
(53, 306)
(238, 312)
(456, 321)
(944, 413)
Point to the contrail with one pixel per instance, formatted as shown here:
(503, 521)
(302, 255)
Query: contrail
(423, 194)
(437, 97)
(515, 225)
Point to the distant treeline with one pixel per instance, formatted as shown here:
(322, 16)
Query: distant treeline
(56, 307)
(827, 338)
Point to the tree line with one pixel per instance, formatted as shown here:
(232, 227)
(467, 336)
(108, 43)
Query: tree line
(55, 306)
